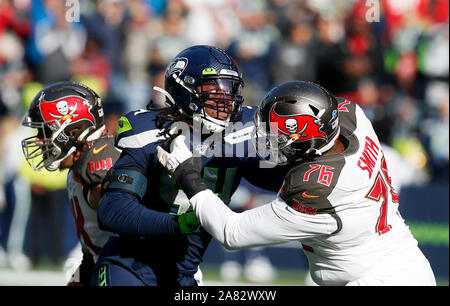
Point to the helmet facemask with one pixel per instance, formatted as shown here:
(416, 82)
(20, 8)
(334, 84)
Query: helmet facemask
(219, 101)
(42, 150)
(272, 144)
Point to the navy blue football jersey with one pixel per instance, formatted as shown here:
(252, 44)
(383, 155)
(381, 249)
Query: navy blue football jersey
(146, 242)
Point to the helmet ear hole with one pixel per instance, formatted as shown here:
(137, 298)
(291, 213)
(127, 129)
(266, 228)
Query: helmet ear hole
(314, 109)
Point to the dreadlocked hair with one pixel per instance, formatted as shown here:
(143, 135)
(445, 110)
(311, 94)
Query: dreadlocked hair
(166, 115)
(164, 119)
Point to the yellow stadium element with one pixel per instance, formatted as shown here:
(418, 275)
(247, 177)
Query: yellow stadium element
(50, 180)
(98, 85)
(29, 91)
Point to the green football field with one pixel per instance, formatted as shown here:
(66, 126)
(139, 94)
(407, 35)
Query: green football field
(211, 276)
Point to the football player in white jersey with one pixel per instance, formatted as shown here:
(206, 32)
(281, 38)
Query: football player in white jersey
(72, 135)
(337, 200)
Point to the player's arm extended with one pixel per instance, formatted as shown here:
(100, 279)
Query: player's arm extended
(254, 227)
(120, 210)
(267, 224)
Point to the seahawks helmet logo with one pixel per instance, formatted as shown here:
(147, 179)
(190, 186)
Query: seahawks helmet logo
(177, 66)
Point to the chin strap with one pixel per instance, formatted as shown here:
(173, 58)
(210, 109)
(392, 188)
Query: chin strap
(55, 164)
(211, 124)
(94, 135)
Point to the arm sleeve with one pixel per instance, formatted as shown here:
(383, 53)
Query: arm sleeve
(121, 213)
(268, 224)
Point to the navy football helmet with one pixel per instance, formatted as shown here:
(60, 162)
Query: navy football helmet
(297, 120)
(204, 83)
(64, 114)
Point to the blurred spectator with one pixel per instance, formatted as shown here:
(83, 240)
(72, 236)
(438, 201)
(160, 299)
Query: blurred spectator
(13, 16)
(14, 29)
(46, 238)
(330, 31)
(57, 41)
(436, 133)
(254, 47)
(142, 29)
(15, 203)
(173, 37)
(92, 64)
(295, 57)
(358, 55)
(201, 26)
(106, 25)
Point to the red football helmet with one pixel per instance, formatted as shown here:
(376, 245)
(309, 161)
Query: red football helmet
(64, 114)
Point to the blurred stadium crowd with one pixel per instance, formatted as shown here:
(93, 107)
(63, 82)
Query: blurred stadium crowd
(395, 65)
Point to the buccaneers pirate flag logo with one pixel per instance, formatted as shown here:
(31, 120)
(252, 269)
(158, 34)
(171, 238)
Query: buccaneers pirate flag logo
(70, 107)
(303, 127)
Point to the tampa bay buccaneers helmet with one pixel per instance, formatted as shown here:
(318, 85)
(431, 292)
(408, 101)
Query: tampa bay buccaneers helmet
(297, 120)
(64, 114)
(204, 83)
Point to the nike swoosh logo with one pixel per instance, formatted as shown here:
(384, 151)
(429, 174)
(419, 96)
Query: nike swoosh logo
(305, 195)
(98, 150)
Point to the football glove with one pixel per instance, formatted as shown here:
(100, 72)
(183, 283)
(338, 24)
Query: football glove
(183, 167)
(188, 222)
(179, 153)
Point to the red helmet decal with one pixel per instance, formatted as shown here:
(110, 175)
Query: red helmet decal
(301, 126)
(73, 107)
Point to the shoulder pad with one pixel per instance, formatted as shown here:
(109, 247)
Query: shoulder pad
(242, 130)
(95, 162)
(345, 105)
(347, 114)
(307, 186)
(137, 129)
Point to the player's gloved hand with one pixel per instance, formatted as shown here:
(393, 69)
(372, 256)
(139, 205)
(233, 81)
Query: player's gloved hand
(188, 222)
(179, 152)
(184, 168)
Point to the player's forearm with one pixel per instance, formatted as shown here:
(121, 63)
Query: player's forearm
(235, 230)
(121, 213)
(94, 196)
(213, 214)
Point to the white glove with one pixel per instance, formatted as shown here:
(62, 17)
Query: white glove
(179, 152)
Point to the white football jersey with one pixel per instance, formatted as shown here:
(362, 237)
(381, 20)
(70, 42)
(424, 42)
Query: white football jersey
(91, 237)
(89, 170)
(343, 210)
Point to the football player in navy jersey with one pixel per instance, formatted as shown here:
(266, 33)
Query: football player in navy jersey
(71, 134)
(157, 240)
(337, 199)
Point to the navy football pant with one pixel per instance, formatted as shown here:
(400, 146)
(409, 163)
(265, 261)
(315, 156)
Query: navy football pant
(115, 275)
